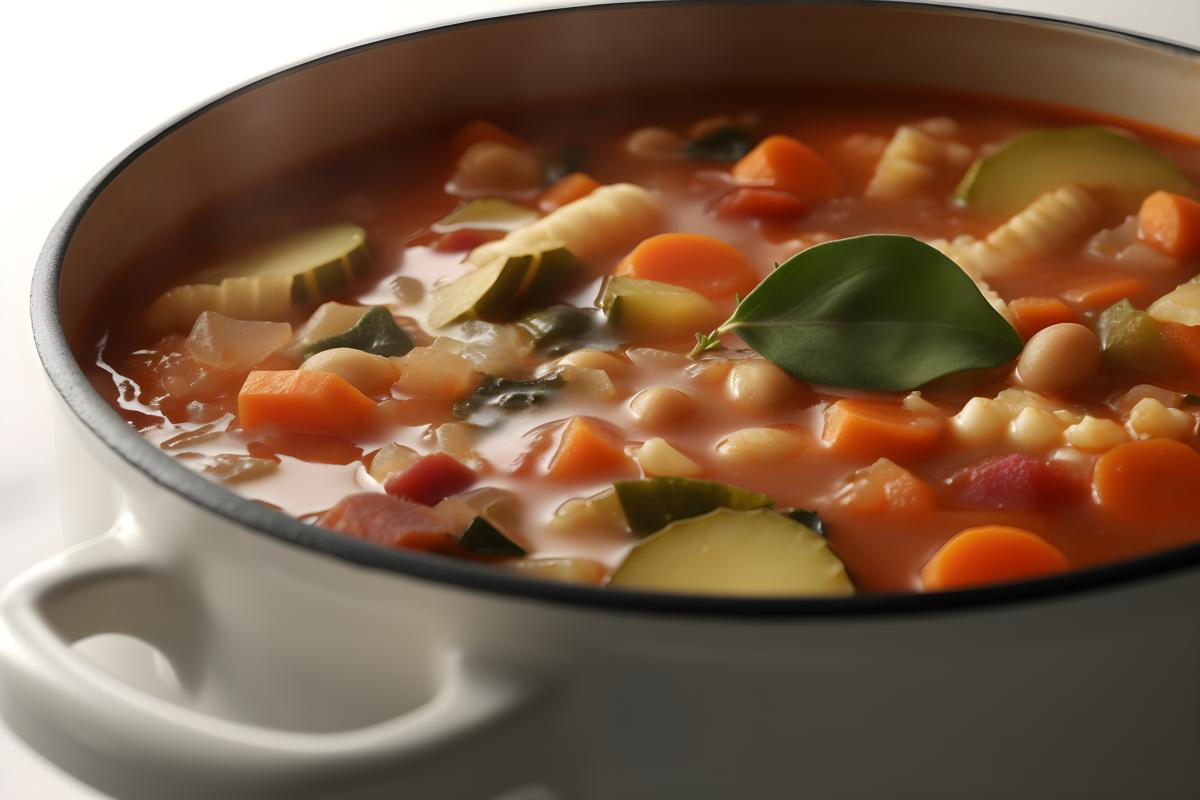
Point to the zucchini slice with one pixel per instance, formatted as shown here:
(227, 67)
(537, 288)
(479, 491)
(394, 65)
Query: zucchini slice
(1008, 180)
(504, 284)
(653, 503)
(653, 308)
(487, 214)
(264, 283)
(740, 553)
(320, 261)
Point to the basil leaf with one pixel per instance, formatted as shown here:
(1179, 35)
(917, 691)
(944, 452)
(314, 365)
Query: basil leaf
(486, 539)
(871, 312)
(723, 144)
(376, 332)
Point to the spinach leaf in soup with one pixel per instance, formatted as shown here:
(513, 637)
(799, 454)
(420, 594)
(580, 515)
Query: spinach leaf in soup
(498, 396)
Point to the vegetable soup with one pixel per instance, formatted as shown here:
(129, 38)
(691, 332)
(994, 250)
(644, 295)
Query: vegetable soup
(809, 344)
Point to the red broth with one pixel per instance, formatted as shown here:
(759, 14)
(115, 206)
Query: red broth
(885, 523)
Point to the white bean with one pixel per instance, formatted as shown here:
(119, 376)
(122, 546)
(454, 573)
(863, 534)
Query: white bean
(661, 407)
(371, 374)
(1059, 358)
(757, 445)
(757, 386)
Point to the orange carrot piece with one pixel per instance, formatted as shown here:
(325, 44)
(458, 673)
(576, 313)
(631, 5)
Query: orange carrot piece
(692, 260)
(1171, 223)
(885, 487)
(1032, 314)
(991, 554)
(480, 130)
(1103, 293)
(568, 189)
(303, 401)
(761, 203)
(870, 429)
(1149, 483)
(1185, 341)
(782, 162)
(589, 448)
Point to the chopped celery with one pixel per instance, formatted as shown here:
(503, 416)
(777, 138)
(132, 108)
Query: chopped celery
(1133, 341)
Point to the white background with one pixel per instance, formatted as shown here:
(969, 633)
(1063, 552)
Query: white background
(81, 81)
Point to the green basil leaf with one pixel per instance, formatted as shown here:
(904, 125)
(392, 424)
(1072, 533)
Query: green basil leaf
(723, 144)
(871, 312)
(486, 539)
(376, 332)
(560, 329)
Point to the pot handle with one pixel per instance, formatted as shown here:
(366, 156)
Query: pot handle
(135, 745)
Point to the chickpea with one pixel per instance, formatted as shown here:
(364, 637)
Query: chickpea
(371, 374)
(497, 167)
(657, 143)
(757, 386)
(661, 407)
(758, 446)
(1059, 358)
(595, 359)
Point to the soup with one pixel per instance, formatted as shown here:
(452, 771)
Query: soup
(796, 345)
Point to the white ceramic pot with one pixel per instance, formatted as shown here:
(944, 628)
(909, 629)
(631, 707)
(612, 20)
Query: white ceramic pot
(304, 664)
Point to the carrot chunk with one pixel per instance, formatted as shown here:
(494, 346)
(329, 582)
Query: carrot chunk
(1103, 293)
(885, 487)
(991, 554)
(303, 401)
(1171, 223)
(693, 261)
(1185, 341)
(589, 448)
(782, 162)
(862, 429)
(1032, 314)
(568, 189)
(480, 130)
(1149, 483)
(753, 201)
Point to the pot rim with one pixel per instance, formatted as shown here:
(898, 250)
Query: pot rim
(73, 387)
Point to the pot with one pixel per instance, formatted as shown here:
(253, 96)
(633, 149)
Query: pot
(279, 660)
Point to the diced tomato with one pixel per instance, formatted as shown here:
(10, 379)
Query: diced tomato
(390, 522)
(761, 203)
(431, 479)
(463, 240)
(1015, 481)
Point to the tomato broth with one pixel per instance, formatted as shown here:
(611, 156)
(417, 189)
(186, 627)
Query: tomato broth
(1077, 331)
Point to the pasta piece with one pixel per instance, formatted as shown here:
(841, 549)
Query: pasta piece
(264, 298)
(1047, 226)
(609, 220)
(911, 159)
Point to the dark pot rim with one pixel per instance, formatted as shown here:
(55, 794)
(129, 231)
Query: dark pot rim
(75, 390)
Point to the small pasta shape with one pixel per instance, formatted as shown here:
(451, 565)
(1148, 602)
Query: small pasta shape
(609, 220)
(1048, 225)
(908, 164)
